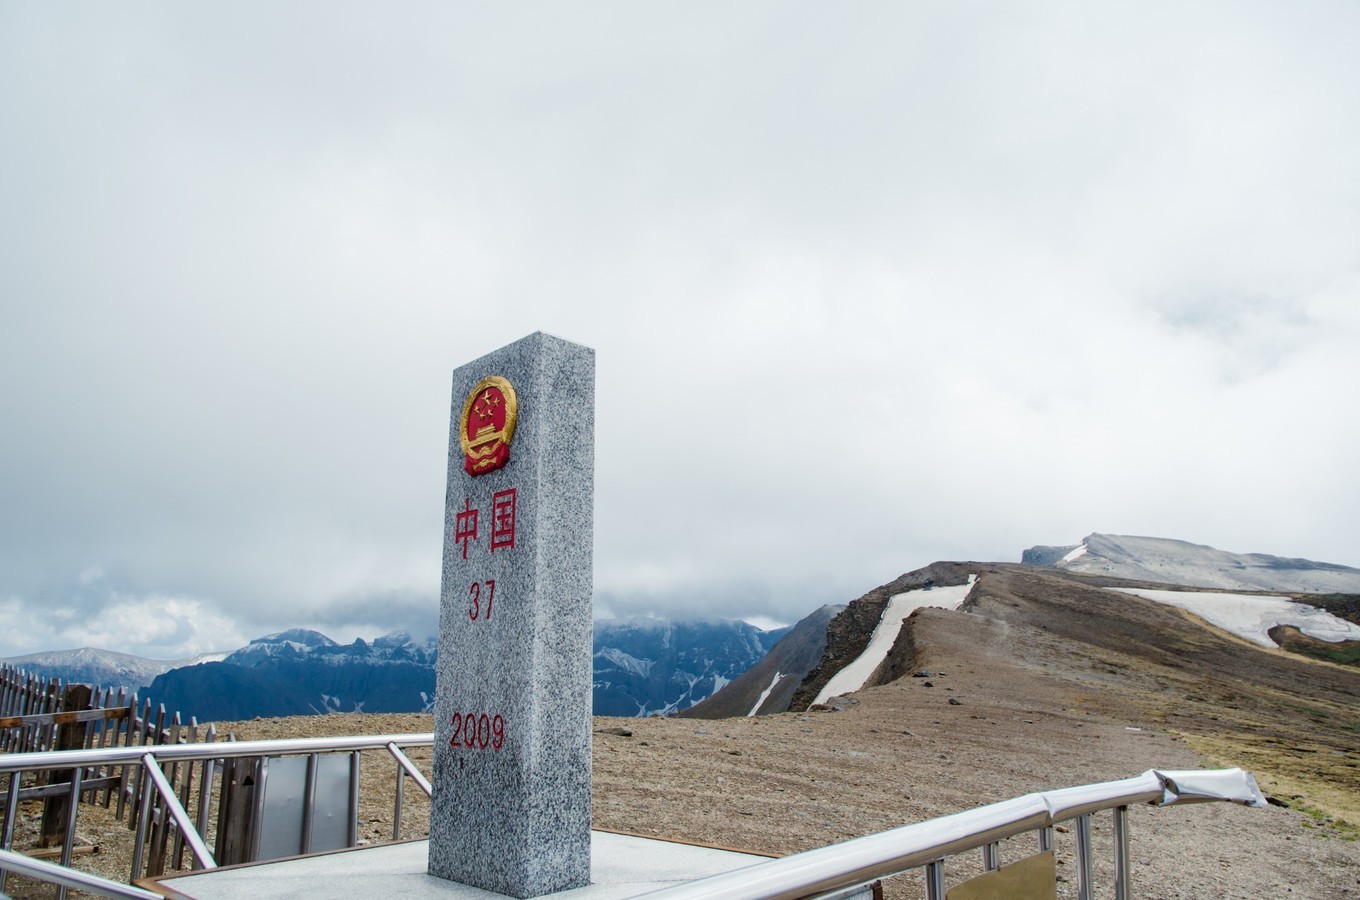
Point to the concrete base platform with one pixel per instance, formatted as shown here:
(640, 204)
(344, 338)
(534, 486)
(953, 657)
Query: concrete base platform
(620, 866)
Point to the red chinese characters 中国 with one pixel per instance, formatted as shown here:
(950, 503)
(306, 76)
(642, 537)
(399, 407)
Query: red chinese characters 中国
(504, 517)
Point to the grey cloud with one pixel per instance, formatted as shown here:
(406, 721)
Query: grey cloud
(868, 287)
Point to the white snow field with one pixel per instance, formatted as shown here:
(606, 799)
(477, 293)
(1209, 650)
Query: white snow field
(1074, 554)
(1252, 615)
(852, 677)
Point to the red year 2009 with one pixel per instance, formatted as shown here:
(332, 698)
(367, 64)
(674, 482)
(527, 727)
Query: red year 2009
(478, 732)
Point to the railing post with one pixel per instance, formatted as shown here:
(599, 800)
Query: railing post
(353, 830)
(1084, 857)
(68, 839)
(205, 790)
(308, 803)
(396, 812)
(1122, 872)
(142, 816)
(11, 813)
(935, 880)
(991, 854)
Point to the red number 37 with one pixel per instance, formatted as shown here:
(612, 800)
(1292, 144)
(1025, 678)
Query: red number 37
(475, 592)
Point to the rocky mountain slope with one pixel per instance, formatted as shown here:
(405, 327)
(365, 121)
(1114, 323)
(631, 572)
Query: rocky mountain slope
(648, 666)
(1169, 561)
(1291, 719)
(768, 685)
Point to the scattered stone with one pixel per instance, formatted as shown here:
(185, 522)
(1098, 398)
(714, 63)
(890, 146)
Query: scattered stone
(701, 730)
(735, 752)
(929, 684)
(621, 731)
(921, 674)
(955, 701)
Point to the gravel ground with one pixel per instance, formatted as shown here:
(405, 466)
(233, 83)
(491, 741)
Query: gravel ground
(784, 783)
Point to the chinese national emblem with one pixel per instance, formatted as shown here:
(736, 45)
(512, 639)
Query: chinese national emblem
(487, 425)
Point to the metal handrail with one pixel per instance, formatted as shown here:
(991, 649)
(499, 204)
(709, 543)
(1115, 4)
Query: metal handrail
(861, 860)
(148, 759)
(815, 872)
(55, 874)
(99, 756)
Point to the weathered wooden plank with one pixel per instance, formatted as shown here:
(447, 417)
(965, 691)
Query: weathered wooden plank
(63, 718)
(43, 791)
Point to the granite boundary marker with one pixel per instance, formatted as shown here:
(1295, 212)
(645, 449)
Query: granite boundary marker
(511, 805)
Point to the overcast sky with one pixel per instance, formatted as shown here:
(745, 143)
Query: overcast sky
(870, 285)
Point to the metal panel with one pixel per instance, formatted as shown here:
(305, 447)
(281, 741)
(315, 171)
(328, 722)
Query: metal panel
(1032, 878)
(284, 811)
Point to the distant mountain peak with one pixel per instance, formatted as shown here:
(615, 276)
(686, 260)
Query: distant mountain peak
(1172, 561)
(304, 636)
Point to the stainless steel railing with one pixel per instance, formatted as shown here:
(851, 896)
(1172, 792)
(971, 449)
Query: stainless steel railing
(826, 870)
(927, 844)
(70, 878)
(152, 761)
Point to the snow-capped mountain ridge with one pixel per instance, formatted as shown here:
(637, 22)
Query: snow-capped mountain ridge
(1170, 561)
(649, 666)
(105, 668)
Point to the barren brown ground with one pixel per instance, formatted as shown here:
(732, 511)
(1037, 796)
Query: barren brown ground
(1095, 695)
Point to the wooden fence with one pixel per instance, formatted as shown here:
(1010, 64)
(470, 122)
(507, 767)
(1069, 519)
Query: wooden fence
(38, 714)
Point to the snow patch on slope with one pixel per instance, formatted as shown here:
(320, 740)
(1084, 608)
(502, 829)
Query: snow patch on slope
(852, 677)
(1252, 615)
(1080, 550)
(765, 694)
(640, 667)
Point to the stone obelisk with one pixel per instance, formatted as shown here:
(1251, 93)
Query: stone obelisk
(511, 806)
